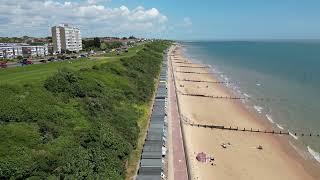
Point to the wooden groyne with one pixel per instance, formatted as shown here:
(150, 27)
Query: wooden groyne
(252, 130)
(236, 98)
(192, 72)
(182, 62)
(238, 129)
(194, 67)
(215, 97)
(215, 82)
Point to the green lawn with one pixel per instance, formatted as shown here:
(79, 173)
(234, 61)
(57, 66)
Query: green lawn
(39, 72)
(132, 51)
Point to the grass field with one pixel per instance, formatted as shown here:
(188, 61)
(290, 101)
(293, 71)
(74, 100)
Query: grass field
(131, 52)
(39, 72)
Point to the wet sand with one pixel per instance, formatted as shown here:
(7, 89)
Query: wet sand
(240, 159)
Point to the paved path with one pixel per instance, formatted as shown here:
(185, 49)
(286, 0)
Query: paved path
(180, 171)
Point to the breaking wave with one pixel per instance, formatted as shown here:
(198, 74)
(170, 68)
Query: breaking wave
(316, 155)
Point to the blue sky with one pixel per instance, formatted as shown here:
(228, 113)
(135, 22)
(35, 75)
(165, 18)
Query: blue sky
(182, 19)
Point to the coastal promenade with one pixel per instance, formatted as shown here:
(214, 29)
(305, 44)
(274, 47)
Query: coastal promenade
(179, 169)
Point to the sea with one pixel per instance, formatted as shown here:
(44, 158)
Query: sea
(280, 79)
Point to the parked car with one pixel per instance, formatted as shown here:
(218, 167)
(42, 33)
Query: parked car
(61, 57)
(51, 59)
(3, 64)
(26, 62)
(43, 61)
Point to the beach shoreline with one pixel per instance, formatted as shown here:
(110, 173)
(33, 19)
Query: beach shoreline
(277, 160)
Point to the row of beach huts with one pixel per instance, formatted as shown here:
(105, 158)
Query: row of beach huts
(153, 158)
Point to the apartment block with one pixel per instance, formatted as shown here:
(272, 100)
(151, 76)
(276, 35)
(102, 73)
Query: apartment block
(66, 37)
(13, 50)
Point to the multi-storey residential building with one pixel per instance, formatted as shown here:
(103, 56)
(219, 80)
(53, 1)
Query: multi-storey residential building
(13, 50)
(66, 37)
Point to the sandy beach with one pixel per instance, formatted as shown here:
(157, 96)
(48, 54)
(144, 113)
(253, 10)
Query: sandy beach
(239, 158)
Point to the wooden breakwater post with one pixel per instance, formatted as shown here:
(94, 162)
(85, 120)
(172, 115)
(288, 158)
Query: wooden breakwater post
(219, 127)
(256, 131)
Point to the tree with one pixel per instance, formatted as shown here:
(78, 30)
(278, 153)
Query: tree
(91, 44)
(49, 39)
(96, 42)
(19, 58)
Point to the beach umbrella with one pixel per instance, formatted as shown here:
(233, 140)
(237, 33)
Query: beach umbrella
(201, 157)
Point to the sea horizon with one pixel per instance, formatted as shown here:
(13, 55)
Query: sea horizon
(250, 40)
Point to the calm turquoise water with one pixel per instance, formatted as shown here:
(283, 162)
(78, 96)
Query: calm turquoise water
(285, 74)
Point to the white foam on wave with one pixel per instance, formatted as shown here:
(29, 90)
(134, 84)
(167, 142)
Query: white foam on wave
(247, 95)
(258, 108)
(292, 135)
(280, 127)
(258, 84)
(316, 155)
(269, 118)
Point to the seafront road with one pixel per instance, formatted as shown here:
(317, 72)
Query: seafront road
(177, 160)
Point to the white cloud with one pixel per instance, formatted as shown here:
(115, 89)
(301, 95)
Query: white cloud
(96, 1)
(187, 21)
(19, 17)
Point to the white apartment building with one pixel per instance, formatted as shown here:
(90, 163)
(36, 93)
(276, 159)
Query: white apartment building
(13, 50)
(65, 37)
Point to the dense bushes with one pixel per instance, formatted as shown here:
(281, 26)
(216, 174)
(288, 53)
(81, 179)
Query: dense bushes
(77, 124)
(96, 44)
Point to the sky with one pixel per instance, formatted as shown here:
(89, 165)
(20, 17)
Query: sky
(170, 19)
